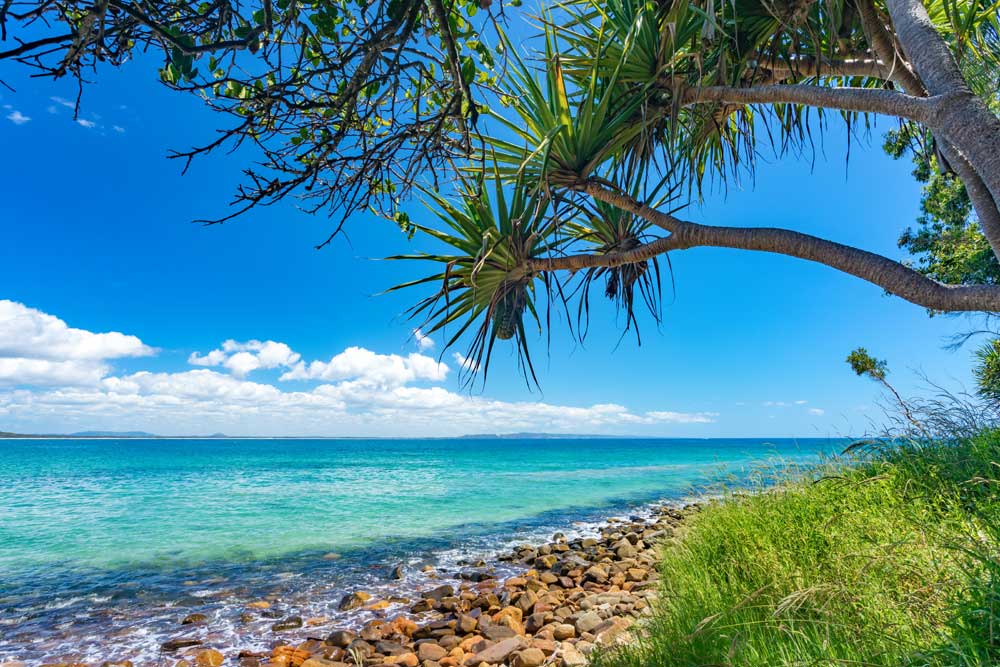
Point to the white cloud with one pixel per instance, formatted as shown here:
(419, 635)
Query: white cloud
(52, 109)
(30, 333)
(357, 363)
(21, 371)
(63, 101)
(818, 412)
(118, 128)
(801, 402)
(17, 117)
(243, 358)
(423, 342)
(63, 381)
(89, 124)
(39, 349)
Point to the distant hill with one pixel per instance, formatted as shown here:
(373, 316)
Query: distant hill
(112, 434)
(109, 434)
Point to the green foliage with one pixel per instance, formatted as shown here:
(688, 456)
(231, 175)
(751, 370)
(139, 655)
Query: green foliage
(863, 364)
(947, 242)
(489, 235)
(887, 559)
(987, 370)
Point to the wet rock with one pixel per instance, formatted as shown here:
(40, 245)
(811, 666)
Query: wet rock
(289, 623)
(208, 658)
(398, 572)
(340, 638)
(191, 619)
(436, 594)
(386, 647)
(259, 604)
(353, 600)
(333, 555)
(179, 643)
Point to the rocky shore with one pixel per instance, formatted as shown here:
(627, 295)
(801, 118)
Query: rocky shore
(567, 598)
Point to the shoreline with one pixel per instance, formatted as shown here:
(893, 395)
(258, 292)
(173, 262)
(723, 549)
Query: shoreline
(548, 602)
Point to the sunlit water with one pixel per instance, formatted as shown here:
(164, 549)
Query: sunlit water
(106, 544)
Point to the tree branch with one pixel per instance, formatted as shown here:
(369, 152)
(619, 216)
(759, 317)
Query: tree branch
(882, 43)
(886, 102)
(888, 274)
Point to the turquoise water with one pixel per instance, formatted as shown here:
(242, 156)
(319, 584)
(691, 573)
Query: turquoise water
(135, 529)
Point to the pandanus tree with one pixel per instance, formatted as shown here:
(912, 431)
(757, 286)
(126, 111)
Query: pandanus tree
(571, 162)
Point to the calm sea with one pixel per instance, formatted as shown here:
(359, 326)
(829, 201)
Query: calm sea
(106, 544)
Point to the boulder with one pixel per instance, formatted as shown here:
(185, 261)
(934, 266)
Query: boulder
(290, 623)
(430, 651)
(340, 638)
(208, 658)
(529, 657)
(498, 652)
(588, 621)
(354, 600)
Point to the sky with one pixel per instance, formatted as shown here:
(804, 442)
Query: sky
(117, 312)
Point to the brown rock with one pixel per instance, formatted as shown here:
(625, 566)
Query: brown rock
(529, 657)
(588, 621)
(430, 651)
(259, 604)
(341, 638)
(497, 653)
(564, 631)
(354, 600)
(191, 619)
(208, 658)
(290, 623)
(177, 644)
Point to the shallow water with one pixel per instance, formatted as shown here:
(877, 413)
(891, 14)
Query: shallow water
(106, 544)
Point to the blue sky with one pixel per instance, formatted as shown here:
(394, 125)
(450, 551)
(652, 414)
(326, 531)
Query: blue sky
(97, 238)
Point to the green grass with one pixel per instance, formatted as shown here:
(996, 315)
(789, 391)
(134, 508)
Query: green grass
(891, 559)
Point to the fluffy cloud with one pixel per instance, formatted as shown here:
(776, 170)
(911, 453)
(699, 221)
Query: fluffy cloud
(63, 381)
(37, 348)
(243, 358)
(365, 366)
(817, 412)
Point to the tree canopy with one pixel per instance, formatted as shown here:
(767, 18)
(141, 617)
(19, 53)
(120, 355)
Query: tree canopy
(565, 167)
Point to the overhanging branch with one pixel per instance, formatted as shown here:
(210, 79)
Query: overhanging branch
(892, 276)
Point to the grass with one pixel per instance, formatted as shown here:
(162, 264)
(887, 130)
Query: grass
(891, 558)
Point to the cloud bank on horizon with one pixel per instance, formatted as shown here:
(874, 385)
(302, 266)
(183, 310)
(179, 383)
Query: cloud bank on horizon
(57, 378)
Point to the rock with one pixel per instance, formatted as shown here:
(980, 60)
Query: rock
(626, 550)
(570, 657)
(529, 657)
(354, 600)
(608, 631)
(379, 606)
(390, 648)
(495, 632)
(430, 651)
(259, 604)
(208, 658)
(340, 638)
(588, 621)
(466, 624)
(290, 623)
(194, 618)
(407, 659)
(403, 626)
(497, 653)
(333, 555)
(564, 631)
(511, 617)
(436, 594)
(398, 572)
(597, 573)
(179, 643)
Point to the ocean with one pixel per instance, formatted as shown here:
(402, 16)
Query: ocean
(105, 544)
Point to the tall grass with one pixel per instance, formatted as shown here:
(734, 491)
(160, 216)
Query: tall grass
(889, 558)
